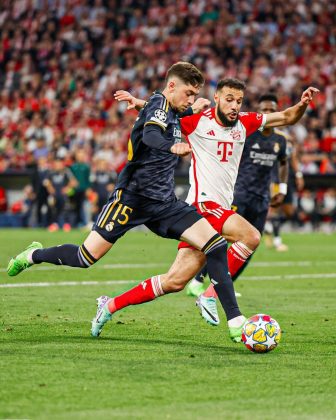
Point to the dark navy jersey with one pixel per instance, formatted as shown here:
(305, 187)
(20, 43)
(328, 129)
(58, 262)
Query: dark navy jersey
(60, 179)
(100, 181)
(260, 156)
(150, 171)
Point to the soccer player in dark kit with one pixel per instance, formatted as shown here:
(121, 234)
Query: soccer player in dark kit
(144, 194)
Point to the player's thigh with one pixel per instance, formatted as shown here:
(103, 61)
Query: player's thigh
(198, 234)
(97, 245)
(187, 264)
(236, 228)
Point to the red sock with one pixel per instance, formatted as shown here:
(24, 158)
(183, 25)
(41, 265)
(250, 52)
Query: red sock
(237, 255)
(144, 292)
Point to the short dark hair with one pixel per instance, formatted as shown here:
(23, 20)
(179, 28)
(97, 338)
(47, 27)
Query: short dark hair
(187, 72)
(231, 82)
(268, 97)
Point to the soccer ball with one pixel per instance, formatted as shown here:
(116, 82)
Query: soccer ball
(261, 333)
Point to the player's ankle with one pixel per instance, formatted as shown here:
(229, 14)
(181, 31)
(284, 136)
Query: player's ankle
(236, 322)
(195, 282)
(30, 256)
(111, 306)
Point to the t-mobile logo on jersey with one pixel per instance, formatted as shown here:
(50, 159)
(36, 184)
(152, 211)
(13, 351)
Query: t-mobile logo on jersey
(224, 149)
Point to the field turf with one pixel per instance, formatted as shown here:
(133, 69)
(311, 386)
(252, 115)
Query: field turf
(161, 360)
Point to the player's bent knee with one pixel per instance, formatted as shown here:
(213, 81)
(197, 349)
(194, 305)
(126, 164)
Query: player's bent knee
(85, 258)
(252, 239)
(256, 237)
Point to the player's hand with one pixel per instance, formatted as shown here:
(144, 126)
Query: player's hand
(200, 104)
(181, 149)
(308, 95)
(277, 199)
(123, 95)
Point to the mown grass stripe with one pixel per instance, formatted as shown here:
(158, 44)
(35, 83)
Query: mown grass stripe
(98, 282)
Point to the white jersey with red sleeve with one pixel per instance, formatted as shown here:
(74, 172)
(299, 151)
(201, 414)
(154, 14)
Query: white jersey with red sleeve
(216, 153)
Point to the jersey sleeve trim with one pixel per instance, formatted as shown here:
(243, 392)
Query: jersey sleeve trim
(155, 121)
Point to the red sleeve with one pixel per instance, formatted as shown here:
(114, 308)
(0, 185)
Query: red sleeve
(189, 124)
(252, 121)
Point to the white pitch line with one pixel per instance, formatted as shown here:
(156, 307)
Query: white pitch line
(292, 277)
(66, 283)
(149, 265)
(109, 282)
(101, 267)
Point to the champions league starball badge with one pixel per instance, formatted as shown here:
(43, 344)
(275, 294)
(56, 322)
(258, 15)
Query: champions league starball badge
(160, 115)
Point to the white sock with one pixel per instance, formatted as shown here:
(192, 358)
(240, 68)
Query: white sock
(236, 322)
(30, 257)
(195, 282)
(268, 229)
(277, 241)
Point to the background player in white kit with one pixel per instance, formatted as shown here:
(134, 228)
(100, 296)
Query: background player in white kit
(217, 138)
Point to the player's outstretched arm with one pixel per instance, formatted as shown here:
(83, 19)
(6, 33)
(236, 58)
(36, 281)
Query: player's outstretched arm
(293, 114)
(133, 102)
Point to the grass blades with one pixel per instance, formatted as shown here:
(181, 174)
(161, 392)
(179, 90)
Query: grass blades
(161, 360)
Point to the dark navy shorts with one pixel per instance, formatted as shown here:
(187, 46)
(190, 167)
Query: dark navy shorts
(125, 210)
(252, 208)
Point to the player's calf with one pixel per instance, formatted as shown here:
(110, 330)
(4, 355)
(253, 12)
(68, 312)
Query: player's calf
(216, 253)
(68, 254)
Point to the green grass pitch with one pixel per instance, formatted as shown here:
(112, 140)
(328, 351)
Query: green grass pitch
(161, 360)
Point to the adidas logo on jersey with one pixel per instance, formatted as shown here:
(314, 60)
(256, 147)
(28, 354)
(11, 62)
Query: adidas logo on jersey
(255, 146)
(211, 133)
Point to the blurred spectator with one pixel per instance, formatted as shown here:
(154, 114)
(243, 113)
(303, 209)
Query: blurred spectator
(3, 200)
(27, 205)
(40, 174)
(60, 184)
(327, 207)
(307, 209)
(102, 184)
(312, 156)
(81, 172)
(61, 62)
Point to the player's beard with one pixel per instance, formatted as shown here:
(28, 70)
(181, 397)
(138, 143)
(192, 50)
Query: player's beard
(225, 121)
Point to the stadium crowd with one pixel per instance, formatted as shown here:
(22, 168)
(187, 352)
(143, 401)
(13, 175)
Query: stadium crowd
(62, 60)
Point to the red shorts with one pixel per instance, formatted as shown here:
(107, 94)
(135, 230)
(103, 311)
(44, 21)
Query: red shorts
(215, 214)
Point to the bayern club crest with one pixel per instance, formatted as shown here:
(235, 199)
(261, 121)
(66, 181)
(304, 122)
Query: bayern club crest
(235, 134)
